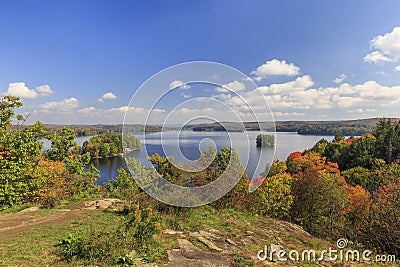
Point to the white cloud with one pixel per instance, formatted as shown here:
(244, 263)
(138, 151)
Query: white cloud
(107, 96)
(375, 57)
(65, 105)
(44, 90)
(388, 44)
(397, 68)
(235, 86)
(301, 95)
(275, 67)
(90, 111)
(340, 78)
(20, 89)
(178, 83)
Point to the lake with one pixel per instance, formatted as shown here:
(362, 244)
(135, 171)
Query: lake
(190, 143)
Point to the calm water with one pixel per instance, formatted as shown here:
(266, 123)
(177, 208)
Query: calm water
(188, 144)
(191, 143)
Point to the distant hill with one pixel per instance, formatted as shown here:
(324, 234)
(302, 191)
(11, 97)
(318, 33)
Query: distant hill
(345, 127)
(90, 130)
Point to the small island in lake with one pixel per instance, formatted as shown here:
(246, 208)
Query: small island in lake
(110, 145)
(265, 140)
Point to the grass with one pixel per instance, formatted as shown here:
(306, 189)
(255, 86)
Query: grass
(37, 246)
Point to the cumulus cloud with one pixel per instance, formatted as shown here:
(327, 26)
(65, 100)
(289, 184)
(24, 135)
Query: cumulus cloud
(275, 67)
(301, 94)
(389, 43)
(64, 105)
(397, 68)
(20, 89)
(178, 83)
(340, 78)
(376, 57)
(387, 46)
(107, 96)
(235, 86)
(44, 90)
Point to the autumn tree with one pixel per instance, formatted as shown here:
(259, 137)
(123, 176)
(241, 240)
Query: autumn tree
(319, 199)
(357, 213)
(384, 219)
(273, 197)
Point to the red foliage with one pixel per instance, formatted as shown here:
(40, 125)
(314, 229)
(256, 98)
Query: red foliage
(295, 155)
(351, 140)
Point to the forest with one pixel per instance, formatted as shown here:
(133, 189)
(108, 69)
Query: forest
(348, 187)
(344, 127)
(91, 130)
(110, 145)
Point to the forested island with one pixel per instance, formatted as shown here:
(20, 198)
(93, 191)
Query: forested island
(265, 140)
(110, 145)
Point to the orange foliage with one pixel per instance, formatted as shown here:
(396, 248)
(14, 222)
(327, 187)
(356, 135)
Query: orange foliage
(56, 183)
(298, 163)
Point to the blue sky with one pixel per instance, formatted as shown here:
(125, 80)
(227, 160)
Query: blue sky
(61, 57)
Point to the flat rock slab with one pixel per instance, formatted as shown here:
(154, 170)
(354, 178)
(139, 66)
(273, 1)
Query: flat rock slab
(101, 203)
(191, 256)
(209, 244)
(29, 209)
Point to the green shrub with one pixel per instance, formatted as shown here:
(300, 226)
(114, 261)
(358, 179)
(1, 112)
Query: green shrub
(72, 246)
(133, 241)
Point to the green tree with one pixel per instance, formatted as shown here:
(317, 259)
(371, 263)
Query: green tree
(63, 144)
(361, 176)
(385, 133)
(19, 155)
(361, 152)
(7, 106)
(320, 146)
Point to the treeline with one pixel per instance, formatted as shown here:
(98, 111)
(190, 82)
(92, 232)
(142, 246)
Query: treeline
(110, 145)
(347, 128)
(91, 130)
(345, 188)
(330, 129)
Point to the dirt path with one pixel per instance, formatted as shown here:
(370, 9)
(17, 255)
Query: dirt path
(25, 220)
